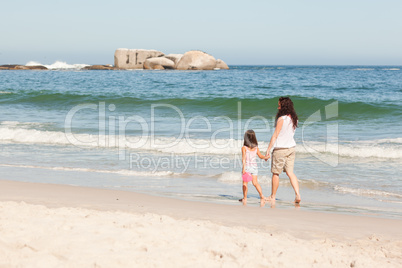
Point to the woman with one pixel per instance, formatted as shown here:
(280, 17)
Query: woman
(283, 155)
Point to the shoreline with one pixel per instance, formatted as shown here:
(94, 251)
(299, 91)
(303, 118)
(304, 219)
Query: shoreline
(57, 195)
(54, 225)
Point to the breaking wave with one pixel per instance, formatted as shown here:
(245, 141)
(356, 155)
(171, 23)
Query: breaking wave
(14, 132)
(58, 65)
(124, 172)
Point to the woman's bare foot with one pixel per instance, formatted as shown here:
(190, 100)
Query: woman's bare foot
(270, 198)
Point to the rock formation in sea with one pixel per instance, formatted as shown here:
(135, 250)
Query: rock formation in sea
(159, 63)
(196, 60)
(221, 64)
(21, 67)
(99, 67)
(175, 58)
(127, 59)
(152, 59)
(133, 58)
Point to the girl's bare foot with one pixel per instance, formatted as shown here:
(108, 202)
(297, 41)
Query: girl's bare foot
(297, 199)
(270, 198)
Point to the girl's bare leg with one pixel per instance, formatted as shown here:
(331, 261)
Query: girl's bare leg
(295, 185)
(257, 186)
(245, 190)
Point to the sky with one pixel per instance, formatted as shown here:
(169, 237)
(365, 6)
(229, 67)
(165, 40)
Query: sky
(254, 32)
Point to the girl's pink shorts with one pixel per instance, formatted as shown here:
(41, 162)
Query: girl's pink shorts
(247, 177)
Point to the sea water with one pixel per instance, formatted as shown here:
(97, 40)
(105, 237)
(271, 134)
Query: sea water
(179, 133)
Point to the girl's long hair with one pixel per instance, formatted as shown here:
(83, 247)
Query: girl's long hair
(250, 140)
(287, 109)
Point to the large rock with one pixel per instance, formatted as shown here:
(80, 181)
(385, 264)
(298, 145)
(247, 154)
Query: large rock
(22, 67)
(99, 67)
(133, 58)
(220, 64)
(159, 63)
(196, 60)
(174, 57)
(36, 67)
(11, 67)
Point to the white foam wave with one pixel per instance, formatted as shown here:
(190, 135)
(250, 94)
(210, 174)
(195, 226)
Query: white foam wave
(125, 172)
(232, 177)
(34, 63)
(33, 136)
(23, 134)
(380, 141)
(368, 149)
(5, 92)
(363, 69)
(392, 69)
(58, 65)
(16, 124)
(10, 131)
(366, 192)
(10, 123)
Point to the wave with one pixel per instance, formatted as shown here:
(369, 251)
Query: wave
(367, 192)
(364, 149)
(58, 65)
(14, 124)
(235, 178)
(380, 149)
(125, 172)
(208, 106)
(232, 177)
(24, 135)
(363, 69)
(228, 178)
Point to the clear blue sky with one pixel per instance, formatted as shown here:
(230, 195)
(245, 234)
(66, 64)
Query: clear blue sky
(356, 32)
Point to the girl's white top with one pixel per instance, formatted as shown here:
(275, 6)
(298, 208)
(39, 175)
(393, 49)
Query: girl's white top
(251, 157)
(286, 135)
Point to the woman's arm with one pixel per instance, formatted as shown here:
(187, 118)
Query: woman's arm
(243, 158)
(278, 128)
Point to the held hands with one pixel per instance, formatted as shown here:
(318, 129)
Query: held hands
(267, 156)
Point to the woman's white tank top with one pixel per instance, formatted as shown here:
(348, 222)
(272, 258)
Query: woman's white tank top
(286, 135)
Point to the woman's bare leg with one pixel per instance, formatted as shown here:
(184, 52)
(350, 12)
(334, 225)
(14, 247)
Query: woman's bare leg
(295, 185)
(275, 185)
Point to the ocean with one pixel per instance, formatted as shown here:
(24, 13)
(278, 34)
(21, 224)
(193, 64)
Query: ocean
(179, 133)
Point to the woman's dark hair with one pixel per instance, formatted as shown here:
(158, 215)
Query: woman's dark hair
(250, 140)
(287, 109)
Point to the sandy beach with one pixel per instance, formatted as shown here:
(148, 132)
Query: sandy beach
(49, 225)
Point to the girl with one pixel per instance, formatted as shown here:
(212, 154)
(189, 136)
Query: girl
(283, 155)
(250, 168)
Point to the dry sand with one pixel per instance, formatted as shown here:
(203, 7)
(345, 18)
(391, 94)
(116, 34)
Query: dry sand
(46, 225)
